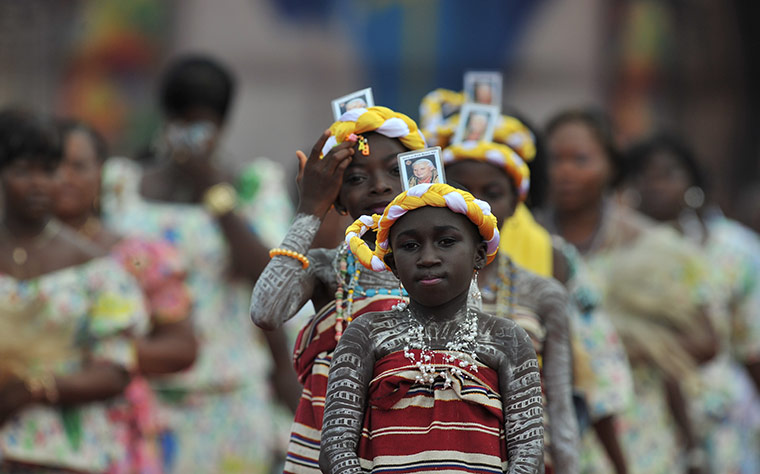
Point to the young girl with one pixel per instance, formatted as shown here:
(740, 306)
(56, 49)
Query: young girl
(359, 174)
(436, 384)
(495, 173)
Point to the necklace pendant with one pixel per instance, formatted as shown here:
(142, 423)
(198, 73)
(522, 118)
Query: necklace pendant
(20, 256)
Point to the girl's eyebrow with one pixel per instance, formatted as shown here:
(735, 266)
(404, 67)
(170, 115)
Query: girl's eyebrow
(436, 229)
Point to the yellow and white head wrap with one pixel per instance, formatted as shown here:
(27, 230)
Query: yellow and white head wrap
(516, 136)
(437, 127)
(422, 195)
(381, 120)
(498, 155)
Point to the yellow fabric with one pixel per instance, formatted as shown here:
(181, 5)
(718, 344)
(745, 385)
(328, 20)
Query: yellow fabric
(517, 136)
(527, 243)
(432, 108)
(422, 195)
(373, 120)
(496, 154)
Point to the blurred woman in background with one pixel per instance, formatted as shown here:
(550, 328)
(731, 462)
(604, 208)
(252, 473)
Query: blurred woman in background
(671, 188)
(69, 314)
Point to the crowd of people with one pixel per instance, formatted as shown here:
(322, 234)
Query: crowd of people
(558, 305)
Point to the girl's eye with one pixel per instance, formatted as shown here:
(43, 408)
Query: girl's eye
(354, 179)
(395, 172)
(581, 159)
(410, 245)
(447, 241)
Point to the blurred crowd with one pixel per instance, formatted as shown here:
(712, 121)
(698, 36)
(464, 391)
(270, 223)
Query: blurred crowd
(126, 344)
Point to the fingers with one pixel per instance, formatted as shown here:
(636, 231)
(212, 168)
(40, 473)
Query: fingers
(342, 153)
(316, 150)
(302, 159)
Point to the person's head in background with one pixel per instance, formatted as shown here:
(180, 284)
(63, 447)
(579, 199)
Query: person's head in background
(84, 152)
(30, 154)
(583, 163)
(196, 88)
(357, 103)
(666, 175)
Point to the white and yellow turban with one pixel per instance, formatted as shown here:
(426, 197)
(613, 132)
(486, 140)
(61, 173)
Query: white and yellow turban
(516, 136)
(498, 155)
(433, 104)
(381, 120)
(422, 195)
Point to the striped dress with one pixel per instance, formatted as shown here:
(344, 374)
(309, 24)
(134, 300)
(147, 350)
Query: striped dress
(412, 427)
(312, 356)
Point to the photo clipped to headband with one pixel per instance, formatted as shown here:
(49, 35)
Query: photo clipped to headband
(483, 87)
(361, 99)
(476, 123)
(421, 167)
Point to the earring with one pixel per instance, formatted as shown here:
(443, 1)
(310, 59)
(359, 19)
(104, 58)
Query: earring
(401, 305)
(694, 197)
(475, 297)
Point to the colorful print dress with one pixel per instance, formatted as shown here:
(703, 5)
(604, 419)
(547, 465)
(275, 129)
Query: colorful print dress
(222, 412)
(98, 307)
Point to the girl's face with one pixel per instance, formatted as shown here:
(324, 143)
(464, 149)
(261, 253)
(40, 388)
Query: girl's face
(579, 168)
(79, 183)
(371, 182)
(662, 185)
(487, 183)
(435, 252)
(28, 187)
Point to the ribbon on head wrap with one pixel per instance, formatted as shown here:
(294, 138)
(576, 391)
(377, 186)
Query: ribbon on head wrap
(422, 195)
(498, 155)
(381, 120)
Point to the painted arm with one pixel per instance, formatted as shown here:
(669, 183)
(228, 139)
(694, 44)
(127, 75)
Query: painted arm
(284, 286)
(350, 374)
(563, 426)
(520, 385)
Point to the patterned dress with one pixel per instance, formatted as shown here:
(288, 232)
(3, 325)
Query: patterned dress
(726, 405)
(93, 306)
(222, 411)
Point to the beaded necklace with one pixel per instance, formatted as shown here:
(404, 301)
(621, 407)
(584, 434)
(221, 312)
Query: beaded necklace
(464, 342)
(348, 288)
(504, 289)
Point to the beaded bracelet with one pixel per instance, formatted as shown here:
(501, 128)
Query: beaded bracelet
(292, 254)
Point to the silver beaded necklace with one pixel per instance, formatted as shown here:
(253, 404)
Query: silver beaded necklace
(464, 344)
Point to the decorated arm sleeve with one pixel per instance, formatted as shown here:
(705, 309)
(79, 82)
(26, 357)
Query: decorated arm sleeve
(520, 384)
(563, 426)
(346, 400)
(284, 286)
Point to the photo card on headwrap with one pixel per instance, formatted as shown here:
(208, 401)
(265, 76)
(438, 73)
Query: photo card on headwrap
(362, 99)
(476, 123)
(421, 166)
(483, 87)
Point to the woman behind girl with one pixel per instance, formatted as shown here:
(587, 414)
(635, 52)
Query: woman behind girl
(356, 183)
(55, 412)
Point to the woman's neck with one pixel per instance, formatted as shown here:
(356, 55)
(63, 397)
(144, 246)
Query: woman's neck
(21, 229)
(78, 222)
(579, 226)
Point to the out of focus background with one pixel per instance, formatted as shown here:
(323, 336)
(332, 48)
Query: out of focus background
(683, 66)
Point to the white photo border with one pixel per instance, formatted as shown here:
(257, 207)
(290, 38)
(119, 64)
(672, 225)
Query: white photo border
(366, 93)
(464, 115)
(433, 154)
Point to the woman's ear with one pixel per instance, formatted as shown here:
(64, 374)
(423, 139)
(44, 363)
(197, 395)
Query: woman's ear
(391, 262)
(339, 207)
(481, 257)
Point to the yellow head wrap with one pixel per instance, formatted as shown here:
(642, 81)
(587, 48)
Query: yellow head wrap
(433, 105)
(516, 136)
(381, 120)
(422, 195)
(498, 155)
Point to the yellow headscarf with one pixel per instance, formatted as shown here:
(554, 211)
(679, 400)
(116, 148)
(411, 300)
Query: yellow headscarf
(498, 155)
(381, 120)
(515, 135)
(422, 195)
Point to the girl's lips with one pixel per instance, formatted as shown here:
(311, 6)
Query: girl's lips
(429, 281)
